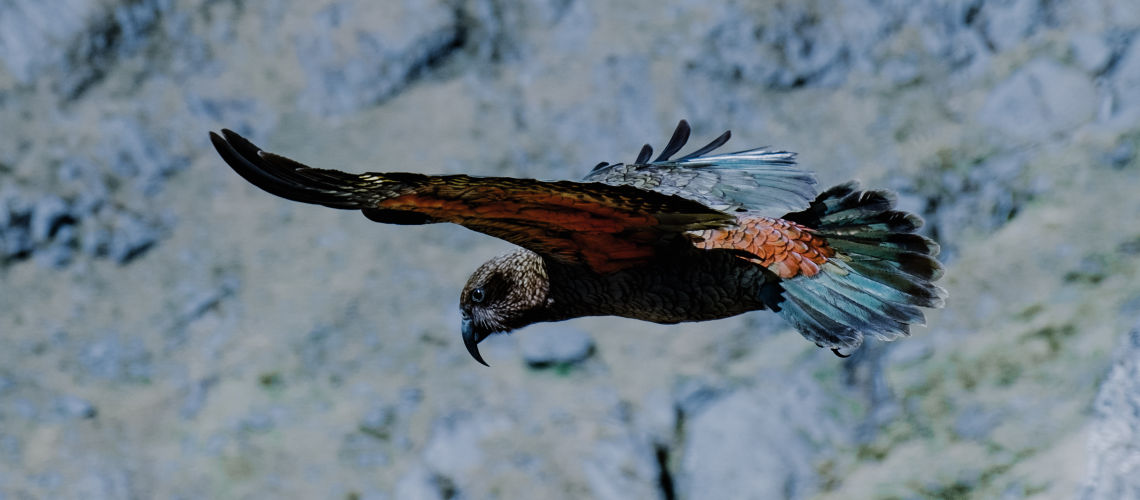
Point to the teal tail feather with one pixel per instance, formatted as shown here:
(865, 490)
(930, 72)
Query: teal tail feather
(879, 279)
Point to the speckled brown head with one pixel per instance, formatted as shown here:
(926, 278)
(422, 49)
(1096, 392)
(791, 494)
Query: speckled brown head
(507, 292)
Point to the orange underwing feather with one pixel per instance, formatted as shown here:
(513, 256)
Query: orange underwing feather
(784, 247)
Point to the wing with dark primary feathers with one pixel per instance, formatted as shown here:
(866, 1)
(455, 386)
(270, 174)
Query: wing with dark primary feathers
(607, 227)
(763, 181)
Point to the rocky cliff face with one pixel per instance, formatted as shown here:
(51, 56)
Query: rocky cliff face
(1114, 468)
(168, 331)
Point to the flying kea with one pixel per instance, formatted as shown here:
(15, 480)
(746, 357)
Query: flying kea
(700, 237)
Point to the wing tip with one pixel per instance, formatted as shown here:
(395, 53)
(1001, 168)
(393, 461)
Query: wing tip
(275, 174)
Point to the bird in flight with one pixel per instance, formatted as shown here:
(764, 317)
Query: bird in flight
(700, 237)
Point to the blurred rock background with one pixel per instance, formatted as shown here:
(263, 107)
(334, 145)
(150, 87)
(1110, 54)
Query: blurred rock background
(169, 331)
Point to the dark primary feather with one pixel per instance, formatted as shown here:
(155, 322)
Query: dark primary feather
(676, 142)
(708, 148)
(244, 158)
(643, 156)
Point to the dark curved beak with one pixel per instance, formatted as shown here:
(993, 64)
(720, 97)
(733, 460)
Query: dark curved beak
(471, 339)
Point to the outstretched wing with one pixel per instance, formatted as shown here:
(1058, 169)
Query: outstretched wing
(606, 227)
(763, 181)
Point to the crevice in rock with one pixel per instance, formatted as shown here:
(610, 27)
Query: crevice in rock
(115, 33)
(453, 42)
(971, 13)
(865, 372)
(667, 455)
(436, 57)
(484, 25)
(664, 476)
(1119, 43)
(445, 486)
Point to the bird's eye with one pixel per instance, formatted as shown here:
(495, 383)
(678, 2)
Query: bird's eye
(477, 295)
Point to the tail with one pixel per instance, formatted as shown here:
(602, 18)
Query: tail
(878, 279)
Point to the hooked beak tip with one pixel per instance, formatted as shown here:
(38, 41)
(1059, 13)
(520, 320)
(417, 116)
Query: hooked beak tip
(471, 340)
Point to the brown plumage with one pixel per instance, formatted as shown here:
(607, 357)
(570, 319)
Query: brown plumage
(697, 238)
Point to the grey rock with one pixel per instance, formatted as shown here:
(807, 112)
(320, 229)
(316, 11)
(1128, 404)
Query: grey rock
(865, 371)
(972, 194)
(130, 236)
(555, 344)
(74, 42)
(60, 250)
(94, 239)
(108, 35)
(791, 47)
(1130, 307)
(1040, 100)
(194, 396)
(48, 215)
(7, 383)
(1114, 445)
(32, 33)
(1126, 81)
(234, 111)
(691, 394)
(370, 495)
(205, 299)
(74, 407)
(900, 71)
(453, 455)
(114, 358)
(410, 399)
(420, 484)
(351, 62)
(43, 229)
(454, 449)
(948, 33)
(493, 28)
(142, 155)
(316, 346)
(622, 467)
(260, 421)
(976, 422)
(15, 225)
(108, 481)
(728, 445)
(364, 450)
(49, 480)
(379, 422)
(85, 184)
(656, 416)
(11, 448)
(908, 353)
(1091, 52)
(1122, 155)
(22, 408)
(16, 240)
(1007, 22)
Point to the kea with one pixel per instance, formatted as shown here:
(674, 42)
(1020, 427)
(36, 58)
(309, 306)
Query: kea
(699, 237)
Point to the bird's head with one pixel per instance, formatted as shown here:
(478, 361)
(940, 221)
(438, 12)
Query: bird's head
(507, 292)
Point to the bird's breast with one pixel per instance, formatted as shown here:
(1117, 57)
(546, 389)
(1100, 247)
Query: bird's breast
(690, 286)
